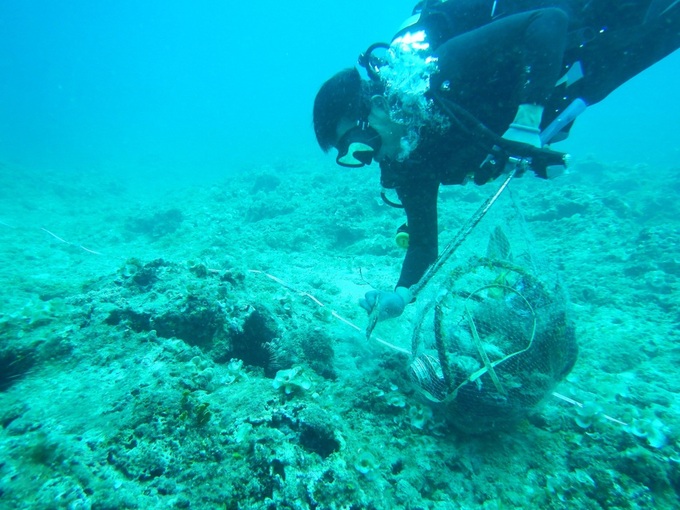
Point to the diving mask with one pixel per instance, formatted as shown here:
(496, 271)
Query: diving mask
(358, 146)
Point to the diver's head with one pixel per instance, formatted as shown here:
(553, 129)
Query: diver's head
(351, 115)
(358, 143)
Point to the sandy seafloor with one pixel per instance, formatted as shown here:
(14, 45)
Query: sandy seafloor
(120, 385)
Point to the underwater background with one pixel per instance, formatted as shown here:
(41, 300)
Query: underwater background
(180, 264)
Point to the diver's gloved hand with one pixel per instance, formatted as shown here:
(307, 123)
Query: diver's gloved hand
(523, 134)
(525, 126)
(390, 304)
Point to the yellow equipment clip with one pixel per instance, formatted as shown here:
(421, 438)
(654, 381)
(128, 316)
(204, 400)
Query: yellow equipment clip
(402, 236)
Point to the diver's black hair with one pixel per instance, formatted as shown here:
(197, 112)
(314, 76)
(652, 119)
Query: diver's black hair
(345, 95)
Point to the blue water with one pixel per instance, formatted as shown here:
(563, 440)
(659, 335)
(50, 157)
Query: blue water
(210, 84)
(219, 86)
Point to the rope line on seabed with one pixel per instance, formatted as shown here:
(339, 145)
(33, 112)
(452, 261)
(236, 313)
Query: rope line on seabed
(335, 314)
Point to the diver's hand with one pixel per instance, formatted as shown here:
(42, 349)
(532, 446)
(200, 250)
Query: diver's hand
(526, 126)
(390, 304)
(523, 134)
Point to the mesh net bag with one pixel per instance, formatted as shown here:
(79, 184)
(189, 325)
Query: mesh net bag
(494, 340)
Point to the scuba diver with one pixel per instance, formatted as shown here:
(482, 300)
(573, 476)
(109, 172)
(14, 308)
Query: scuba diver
(466, 85)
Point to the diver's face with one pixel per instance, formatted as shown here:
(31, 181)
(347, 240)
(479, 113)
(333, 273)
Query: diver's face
(357, 143)
(376, 138)
(390, 132)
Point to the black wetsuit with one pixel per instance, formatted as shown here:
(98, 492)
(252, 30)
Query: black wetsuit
(490, 61)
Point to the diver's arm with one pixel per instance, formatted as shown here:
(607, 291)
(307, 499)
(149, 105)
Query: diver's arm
(420, 204)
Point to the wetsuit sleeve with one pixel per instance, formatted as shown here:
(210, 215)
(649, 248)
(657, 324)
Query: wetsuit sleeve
(522, 52)
(420, 204)
(443, 20)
